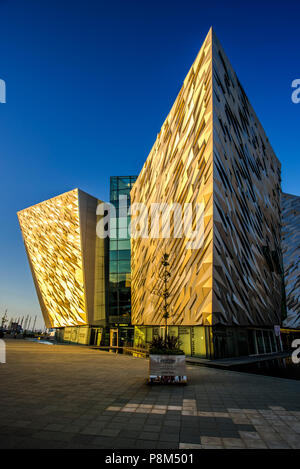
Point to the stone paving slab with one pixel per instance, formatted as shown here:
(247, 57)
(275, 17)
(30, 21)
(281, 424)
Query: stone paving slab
(62, 396)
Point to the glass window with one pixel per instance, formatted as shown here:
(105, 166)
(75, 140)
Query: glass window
(123, 222)
(124, 266)
(149, 334)
(267, 341)
(113, 267)
(124, 207)
(124, 244)
(113, 297)
(113, 279)
(125, 303)
(123, 233)
(242, 339)
(122, 279)
(139, 336)
(273, 344)
(113, 183)
(251, 341)
(113, 310)
(198, 341)
(124, 183)
(125, 192)
(113, 196)
(128, 280)
(113, 223)
(125, 255)
(173, 331)
(115, 203)
(124, 294)
(124, 310)
(260, 343)
(113, 245)
(113, 255)
(185, 339)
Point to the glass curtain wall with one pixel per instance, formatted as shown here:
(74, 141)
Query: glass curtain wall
(119, 251)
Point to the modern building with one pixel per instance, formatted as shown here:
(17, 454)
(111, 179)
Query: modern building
(225, 296)
(290, 205)
(68, 264)
(212, 168)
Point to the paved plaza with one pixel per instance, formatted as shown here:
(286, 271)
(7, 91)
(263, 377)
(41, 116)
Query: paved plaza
(64, 396)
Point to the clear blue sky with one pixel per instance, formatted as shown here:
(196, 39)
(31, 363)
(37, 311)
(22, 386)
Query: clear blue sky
(89, 84)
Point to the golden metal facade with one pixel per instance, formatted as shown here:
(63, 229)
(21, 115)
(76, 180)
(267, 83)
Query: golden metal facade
(212, 149)
(60, 240)
(179, 169)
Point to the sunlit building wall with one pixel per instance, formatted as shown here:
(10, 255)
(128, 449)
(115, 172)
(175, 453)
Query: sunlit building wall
(67, 260)
(225, 297)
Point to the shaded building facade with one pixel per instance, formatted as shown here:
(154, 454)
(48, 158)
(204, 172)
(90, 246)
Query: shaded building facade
(225, 297)
(290, 205)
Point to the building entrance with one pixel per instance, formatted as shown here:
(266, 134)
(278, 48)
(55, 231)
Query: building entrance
(96, 336)
(114, 338)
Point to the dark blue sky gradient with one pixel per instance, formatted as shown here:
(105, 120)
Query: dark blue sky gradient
(89, 84)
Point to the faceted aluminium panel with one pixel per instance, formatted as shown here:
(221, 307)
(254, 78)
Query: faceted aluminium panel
(60, 238)
(212, 149)
(290, 206)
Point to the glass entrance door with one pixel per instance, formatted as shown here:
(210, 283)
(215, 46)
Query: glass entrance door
(114, 337)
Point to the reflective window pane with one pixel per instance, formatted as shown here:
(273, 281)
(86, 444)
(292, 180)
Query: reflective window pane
(113, 267)
(125, 255)
(124, 266)
(113, 245)
(124, 244)
(113, 255)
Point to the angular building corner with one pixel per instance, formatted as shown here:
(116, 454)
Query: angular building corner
(225, 297)
(290, 205)
(67, 259)
(247, 186)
